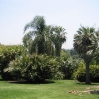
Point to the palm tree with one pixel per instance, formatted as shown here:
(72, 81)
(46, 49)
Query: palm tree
(58, 37)
(38, 34)
(27, 40)
(86, 43)
(43, 38)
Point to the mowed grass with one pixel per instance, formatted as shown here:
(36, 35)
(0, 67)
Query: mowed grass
(59, 89)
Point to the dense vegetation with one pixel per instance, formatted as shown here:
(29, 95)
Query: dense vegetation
(41, 56)
(43, 38)
(80, 74)
(7, 54)
(34, 68)
(86, 43)
(17, 64)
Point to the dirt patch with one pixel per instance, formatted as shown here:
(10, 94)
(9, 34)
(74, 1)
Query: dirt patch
(94, 92)
(89, 90)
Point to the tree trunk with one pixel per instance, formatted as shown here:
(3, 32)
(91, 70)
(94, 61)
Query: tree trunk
(41, 45)
(58, 50)
(87, 74)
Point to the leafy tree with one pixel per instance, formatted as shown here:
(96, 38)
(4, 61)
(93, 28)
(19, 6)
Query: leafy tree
(74, 53)
(44, 38)
(27, 41)
(49, 45)
(86, 43)
(58, 37)
(38, 34)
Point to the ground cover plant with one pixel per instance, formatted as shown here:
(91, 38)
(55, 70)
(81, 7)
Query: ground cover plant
(56, 89)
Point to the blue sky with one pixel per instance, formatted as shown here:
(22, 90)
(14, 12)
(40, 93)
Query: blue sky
(69, 14)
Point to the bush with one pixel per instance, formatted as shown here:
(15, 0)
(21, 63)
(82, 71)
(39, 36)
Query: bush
(8, 53)
(34, 68)
(80, 74)
(95, 73)
(67, 67)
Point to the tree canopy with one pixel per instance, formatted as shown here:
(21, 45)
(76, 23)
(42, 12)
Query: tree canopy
(86, 43)
(44, 38)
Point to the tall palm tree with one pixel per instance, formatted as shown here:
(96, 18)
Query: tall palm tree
(58, 37)
(27, 40)
(38, 34)
(86, 43)
(44, 37)
(49, 45)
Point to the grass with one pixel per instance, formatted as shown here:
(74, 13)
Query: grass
(57, 90)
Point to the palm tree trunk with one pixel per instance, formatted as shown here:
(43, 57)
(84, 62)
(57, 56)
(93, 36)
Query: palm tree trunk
(41, 45)
(57, 53)
(87, 74)
(58, 49)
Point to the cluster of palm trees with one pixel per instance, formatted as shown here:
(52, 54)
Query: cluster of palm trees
(49, 39)
(43, 38)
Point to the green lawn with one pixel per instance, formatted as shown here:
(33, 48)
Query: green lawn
(58, 90)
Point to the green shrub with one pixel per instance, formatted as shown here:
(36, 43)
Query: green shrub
(94, 73)
(8, 53)
(67, 67)
(80, 74)
(34, 68)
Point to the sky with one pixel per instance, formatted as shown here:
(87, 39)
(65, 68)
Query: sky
(70, 14)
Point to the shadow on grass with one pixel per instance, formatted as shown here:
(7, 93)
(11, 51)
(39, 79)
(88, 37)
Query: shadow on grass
(83, 83)
(27, 82)
(1, 79)
(47, 81)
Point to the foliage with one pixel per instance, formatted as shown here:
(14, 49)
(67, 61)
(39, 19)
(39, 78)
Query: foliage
(68, 65)
(43, 38)
(69, 61)
(71, 53)
(8, 53)
(38, 34)
(34, 68)
(80, 74)
(58, 37)
(95, 60)
(27, 41)
(86, 43)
